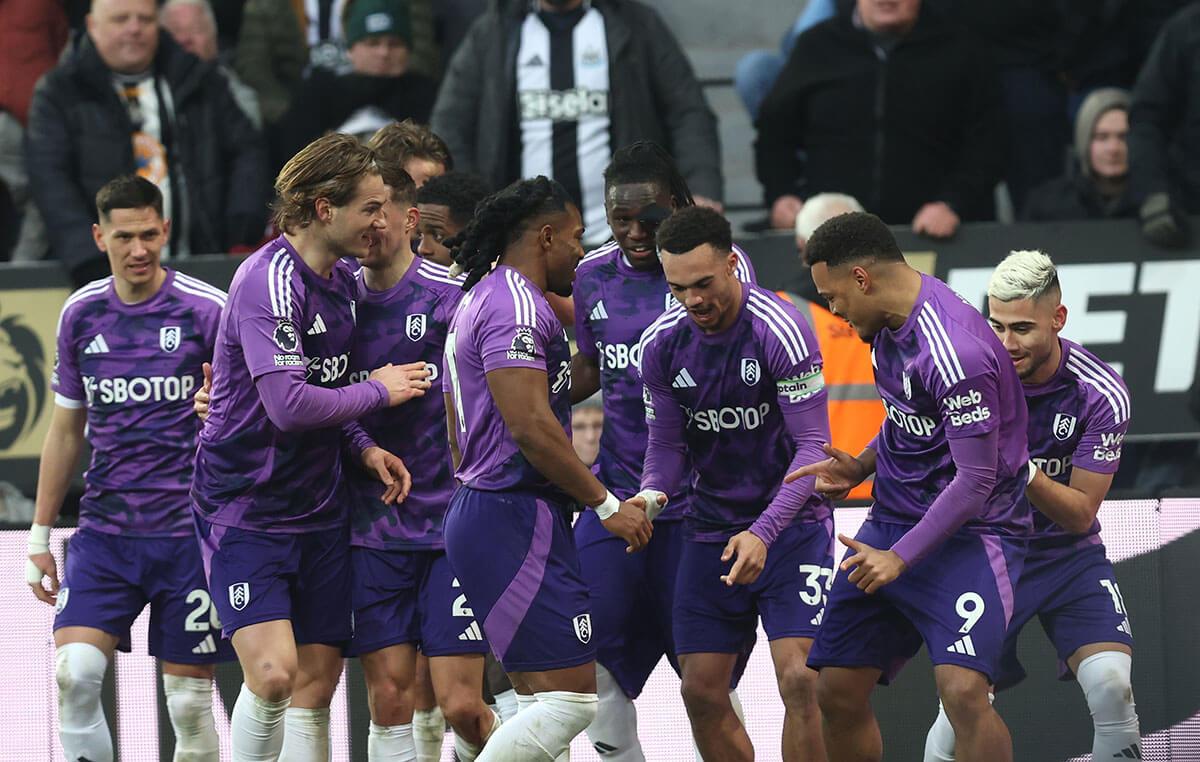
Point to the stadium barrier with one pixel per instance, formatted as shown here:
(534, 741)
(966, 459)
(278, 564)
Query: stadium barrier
(1154, 544)
(1132, 304)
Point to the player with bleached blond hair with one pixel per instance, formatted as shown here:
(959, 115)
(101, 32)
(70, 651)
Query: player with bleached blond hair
(1078, 415)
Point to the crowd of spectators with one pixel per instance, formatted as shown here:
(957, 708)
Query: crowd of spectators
(918, 109)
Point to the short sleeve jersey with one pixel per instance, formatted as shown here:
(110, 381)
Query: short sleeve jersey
(281, 317)
(944, 374)
(1077, 419)
(733, 388)
(503, 322)
(614, 305)
(135, 368)
(407, 323)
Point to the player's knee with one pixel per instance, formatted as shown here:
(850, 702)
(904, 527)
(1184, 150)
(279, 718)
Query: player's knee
(463, 709)
(1105, 680)
(390, 703)
(189, 702)
(702, 697)
(838, 701)
(79, 672)
(798, 687)
(964, 698)
(272, 682)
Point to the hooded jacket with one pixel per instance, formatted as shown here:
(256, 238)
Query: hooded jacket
(79, 139)
(1164, 120)
(654, 95)
(1075, 196)
(895, 129)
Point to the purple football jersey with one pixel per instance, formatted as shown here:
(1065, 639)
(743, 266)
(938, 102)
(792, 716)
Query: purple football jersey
(1077, 419)
(281, 317)
(503, 322)
(407, 323)
(136, 367)
(614, 304)
(941, 375)
(734, 388)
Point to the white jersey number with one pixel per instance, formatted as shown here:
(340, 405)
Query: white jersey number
(452, 370)
(203, 607)
(815, 591)
(970, 607)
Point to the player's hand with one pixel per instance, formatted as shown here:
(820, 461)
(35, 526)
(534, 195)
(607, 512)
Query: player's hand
(403, 382)
(709, 203)
(203, 396)
(836, 475)
(390, 470)
(784, 212)
(875, 568)
(631, 525)
(936, 220)
(751, 556)
(37, 568)
(650, 501)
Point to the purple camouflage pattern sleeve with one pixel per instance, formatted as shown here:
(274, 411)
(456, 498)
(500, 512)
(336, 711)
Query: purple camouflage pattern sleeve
(1099, 448)
(585, 340)
(66, 380)
(800, 386)
(270, 343)
(508, 343)
(666, 453)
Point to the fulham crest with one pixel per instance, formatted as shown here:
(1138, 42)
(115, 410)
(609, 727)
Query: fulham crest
(239, 595)
(1064, 426)
(583, 628)
(414, 327)
(750, 371)
(168, 338)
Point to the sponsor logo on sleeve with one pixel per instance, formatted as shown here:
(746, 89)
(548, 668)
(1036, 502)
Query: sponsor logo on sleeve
(286, 337)
(649, 403)
(1109, 449)
(800, 388)
(522, 347)
(964, 408)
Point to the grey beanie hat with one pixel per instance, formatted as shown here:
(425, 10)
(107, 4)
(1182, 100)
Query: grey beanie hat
(1093, 107)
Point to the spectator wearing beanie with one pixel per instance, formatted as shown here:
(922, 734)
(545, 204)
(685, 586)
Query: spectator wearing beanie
(1099, 188)
(379, 89)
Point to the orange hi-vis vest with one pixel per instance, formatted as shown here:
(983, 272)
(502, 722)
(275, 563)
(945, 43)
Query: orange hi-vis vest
(855, 411)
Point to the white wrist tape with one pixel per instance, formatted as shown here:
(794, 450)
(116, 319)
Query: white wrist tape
(655, 502)
(1033, 469)
(39, 542)
(606, 509)
(39, 539)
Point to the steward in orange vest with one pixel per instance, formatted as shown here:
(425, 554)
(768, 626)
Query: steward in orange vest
(855, 412)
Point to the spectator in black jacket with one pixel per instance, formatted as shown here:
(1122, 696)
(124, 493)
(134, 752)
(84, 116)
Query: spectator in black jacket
(1164, 131)
(1099, 188)
(891, 105)
(379, 89)
(506, 112)
(127, 99)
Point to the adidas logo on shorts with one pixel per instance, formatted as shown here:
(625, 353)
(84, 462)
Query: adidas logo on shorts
(472, 632)
(963, 646)
(206, 646)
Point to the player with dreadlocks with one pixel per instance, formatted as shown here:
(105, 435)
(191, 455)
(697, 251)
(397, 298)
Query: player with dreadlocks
(620, 290)
(508, 368)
